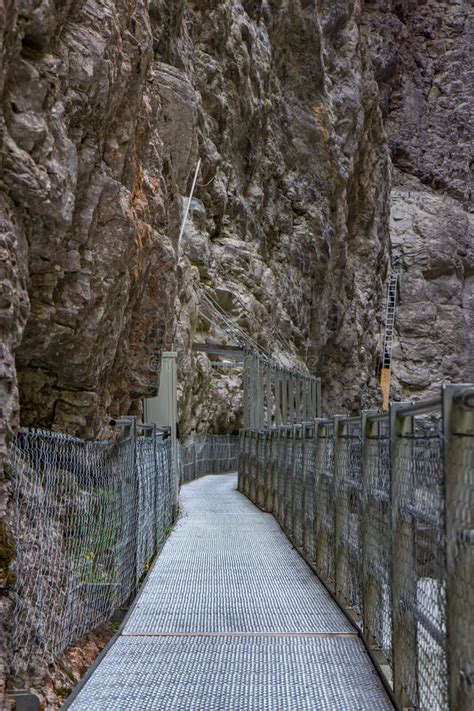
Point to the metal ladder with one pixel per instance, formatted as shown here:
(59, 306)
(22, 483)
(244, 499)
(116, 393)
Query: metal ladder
(390, 307)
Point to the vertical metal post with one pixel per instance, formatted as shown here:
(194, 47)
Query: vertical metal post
(169, 368)
(294, 488)
(319, 407)
(260, 394)
(404, 577)
(253, 393)
(306, 437)
(370, 598)
(309, 412)
(297, 385)
(151, 431)
(130, 486)
(246, 392)
(458, 430)
(270, 481)
(270, 396)
(277, 377)
(291, 399)
(312, 401)
(284, 385)
(340, 429)
(323, 550)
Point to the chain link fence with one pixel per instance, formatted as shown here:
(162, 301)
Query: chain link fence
(203, 454)
(382, 508)
(89, 518)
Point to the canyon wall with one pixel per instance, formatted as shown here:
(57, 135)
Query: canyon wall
(106, 107)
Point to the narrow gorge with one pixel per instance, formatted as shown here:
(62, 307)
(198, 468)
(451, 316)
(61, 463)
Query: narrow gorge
(334, 138)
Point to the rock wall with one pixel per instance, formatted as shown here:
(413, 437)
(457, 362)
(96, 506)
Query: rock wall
(289, 224)
(423, 62)
(105, 108)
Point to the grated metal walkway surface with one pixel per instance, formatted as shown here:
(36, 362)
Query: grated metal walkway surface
(232, 619)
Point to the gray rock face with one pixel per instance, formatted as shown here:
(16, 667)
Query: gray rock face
(104, 114)
(82, 162)
(422, 55)
(433, 238)
(289, 231)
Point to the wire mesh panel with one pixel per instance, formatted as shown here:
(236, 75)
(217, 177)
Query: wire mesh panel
(273, 454)
(458, 431)
(377, 535)
(262, 466)
(298, 486)
(86, 528)
(243, 463)
(325, 504)
(164, 490)
(289, 479)
(147, 499)
(383, 506)
(252, 480)
(281, 475)
(309, 466)
(348, 483)
(203, 454)
(420, 659)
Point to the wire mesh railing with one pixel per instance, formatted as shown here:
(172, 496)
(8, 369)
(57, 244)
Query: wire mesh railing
(203, 454)
(382, 507)
(88, 519)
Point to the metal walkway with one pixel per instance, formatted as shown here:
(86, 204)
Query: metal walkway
(232, 619)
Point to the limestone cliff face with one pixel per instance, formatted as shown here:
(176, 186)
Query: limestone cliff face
(289, 224)
(105, 108)
(82, 169)
(422, 55)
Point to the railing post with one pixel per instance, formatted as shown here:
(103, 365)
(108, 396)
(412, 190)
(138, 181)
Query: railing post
(289, 479)
(245, 392)
(405, 657)
(309, 492)
(297, 517)
(282, 474)
(324, 520)
(277, 379)
(458, 430)
(261, 394)
(319, 407)
(151, 431)
(304, 473)
(284, 397)
(128, 424)
(370, 586)
(269, 468)
(261, 467)
(291, 399)
(340, 428)
(242, 463)
(297, 385)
